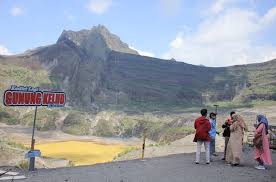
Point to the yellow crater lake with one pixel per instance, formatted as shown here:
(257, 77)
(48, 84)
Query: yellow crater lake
(82, 153)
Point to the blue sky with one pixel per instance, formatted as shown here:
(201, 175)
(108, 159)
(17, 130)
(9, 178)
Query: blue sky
(209, 32)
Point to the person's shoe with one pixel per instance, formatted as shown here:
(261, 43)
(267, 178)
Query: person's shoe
(223, 159)
(234, 165)
(214, 154)
(260, 167)
(196, 162)
(207, 162)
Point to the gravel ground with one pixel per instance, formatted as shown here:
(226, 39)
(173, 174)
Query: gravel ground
(184, 145)
(173, 168)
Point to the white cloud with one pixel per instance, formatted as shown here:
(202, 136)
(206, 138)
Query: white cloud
(170, 7)
(219, 5)
(17, 11)
(226, 39)
(99, 6)
(4, 50)
(143, 53)
(269, 17)
(177, 42)
(69, 16)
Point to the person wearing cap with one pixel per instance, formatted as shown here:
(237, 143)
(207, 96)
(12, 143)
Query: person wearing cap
(213, 132)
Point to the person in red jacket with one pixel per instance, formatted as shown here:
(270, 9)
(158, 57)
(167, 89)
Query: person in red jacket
(202, 126)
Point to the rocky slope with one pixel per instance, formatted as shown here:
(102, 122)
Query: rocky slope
(98, 70)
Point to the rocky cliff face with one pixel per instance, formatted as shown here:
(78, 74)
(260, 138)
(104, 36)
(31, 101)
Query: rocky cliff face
(96, 69)
(97, 41)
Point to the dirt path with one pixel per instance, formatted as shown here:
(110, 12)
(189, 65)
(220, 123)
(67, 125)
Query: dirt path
(174, 168)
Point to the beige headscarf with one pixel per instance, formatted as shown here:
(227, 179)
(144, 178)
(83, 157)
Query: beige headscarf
(239, 119)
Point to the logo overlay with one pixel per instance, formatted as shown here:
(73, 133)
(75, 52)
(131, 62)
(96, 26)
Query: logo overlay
(29, 96)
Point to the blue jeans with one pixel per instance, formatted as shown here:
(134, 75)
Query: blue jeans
(212, 146)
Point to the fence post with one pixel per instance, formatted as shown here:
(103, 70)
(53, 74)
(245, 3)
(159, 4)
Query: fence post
(144, 143)
(32, 159)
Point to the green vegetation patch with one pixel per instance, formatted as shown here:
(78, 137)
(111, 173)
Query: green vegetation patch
(19, 75)
(45, 119)
(76, 123)
(9, 116)
(13, 144)
(104, 128)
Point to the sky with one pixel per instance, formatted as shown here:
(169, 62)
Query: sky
(202, 32)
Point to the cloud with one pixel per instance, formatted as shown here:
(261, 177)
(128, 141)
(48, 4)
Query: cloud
(219, 5)
(177, 42)
(69, 16)
(228, 38)
(143, 53)
(4, 50)
(170, 7)
(269, 17)
(99, 6)
(17, 11)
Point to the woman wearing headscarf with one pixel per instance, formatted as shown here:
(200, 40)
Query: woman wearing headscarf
(262, 153)
(235, 144)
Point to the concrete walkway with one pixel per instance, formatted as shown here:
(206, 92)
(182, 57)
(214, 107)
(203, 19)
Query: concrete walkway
(174, 168)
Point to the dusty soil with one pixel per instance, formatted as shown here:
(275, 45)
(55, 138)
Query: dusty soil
(22, 134)
(184, 145)
(174, 168)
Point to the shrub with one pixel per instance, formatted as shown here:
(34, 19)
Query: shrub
(103, 128)
(8, 118)
(81, 128)
(24, 164)
(45, 119)
(72, 119)
(76, 124)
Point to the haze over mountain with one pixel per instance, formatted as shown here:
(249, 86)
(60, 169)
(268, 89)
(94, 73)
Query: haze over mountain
(96, 69)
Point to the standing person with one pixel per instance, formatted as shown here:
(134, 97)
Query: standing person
(235, 144)
(213, 133)
(262, 153)
(226, 132)
(202, 126)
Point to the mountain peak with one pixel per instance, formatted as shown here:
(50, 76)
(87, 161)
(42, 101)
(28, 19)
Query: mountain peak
(84, 38)
(100, 28)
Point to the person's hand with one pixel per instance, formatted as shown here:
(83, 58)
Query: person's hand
(218, 133)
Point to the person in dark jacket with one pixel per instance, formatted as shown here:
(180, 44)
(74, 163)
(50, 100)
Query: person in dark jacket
(202, 126)
(226, 132)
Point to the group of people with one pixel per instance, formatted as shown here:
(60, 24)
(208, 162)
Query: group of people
(233, 132)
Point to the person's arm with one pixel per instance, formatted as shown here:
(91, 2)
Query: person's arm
(224, 125)
(233, 127)
(216, 128)
(208, 128)
(245, 127)
(259, 130)
(195, 124)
